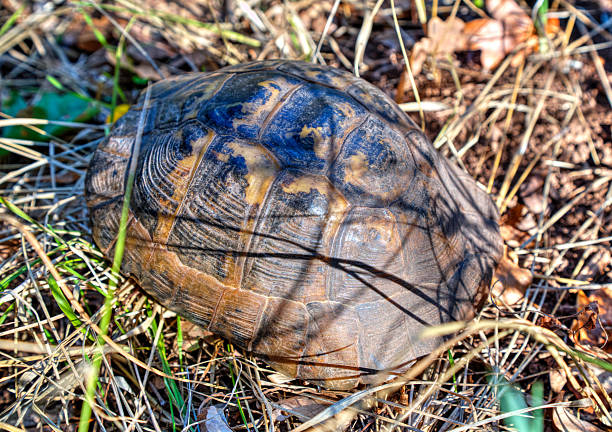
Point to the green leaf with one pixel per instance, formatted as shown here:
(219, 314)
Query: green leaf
(50, 106)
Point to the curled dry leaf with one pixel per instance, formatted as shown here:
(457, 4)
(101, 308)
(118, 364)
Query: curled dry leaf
(510, 27)
(593, 324)
(509, 280)
(558, 379)
(550, 323)
(565, 421)
(511, 224)
(443, 38)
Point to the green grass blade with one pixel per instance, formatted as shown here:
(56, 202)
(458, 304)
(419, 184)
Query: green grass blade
(97, 33)
(9, 23)
(63, 303)
(118, 257)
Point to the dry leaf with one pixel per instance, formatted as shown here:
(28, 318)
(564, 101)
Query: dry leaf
(509, 280)
(512, 225)
(513, 216)
(303, 407)
(215, 419)
(550, 323)
(487, 36)
(443, 38)
(80, 34)
(558, 379)
(192, 333)
(279, 378)
(565, 421)
(593, 324)
(494, 37)
(596, 265)
(513, 237)
(497, 37)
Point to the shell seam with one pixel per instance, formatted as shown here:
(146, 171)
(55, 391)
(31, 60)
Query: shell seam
(275, 109)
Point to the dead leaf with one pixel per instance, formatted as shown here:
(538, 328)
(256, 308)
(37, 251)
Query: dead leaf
(509, 280)
(488, 36)
(513, 216)
(192, 334)
(494, 37)
(514, 224)
(513, 237)
(301, 406)
(215, 419)
(443, 38)
(565, 421)
(550, 323)
(498, 36)
(279, 378)
(596, 265)
(558, 379)
(593, 324)
(81, 34)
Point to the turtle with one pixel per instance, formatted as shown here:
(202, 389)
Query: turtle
(296, 211)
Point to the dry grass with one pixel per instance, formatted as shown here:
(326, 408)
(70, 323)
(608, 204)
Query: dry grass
(161, 373)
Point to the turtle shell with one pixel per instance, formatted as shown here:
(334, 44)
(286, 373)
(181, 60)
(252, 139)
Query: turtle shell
(295, 210)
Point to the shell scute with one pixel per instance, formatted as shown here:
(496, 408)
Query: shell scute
(207, 233)
(244, 102)
(163, 172)
(384, 324)
(308, 129)
(368, 257)
(292, 238)
(282, 333)
(374, 166)
(330, 354)
(378, 102)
